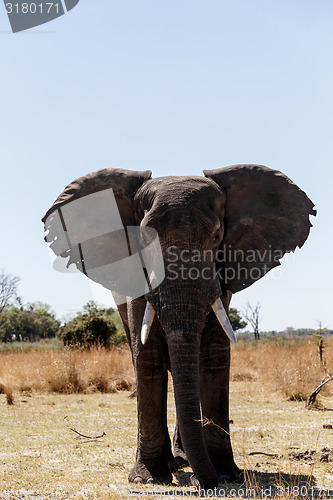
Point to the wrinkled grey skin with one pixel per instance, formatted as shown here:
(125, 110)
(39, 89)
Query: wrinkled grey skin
(244, 207)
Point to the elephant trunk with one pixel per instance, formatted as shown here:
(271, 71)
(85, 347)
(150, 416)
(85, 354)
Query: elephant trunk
(182, 306)
(183, 317)
(184, 360)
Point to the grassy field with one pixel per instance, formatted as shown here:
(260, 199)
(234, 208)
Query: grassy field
(284, 448)
(66, 371)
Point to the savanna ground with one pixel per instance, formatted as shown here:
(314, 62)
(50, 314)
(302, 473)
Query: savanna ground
(285, 449)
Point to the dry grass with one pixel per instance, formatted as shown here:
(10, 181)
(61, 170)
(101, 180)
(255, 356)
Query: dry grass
(5, 389)
(294, 367)
(42, 458)
(67, 371)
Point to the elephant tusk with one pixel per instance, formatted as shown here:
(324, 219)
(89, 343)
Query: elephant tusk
(223, 319)
(147, 321)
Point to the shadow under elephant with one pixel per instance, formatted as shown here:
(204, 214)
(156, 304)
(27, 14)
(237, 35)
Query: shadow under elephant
(257, 485)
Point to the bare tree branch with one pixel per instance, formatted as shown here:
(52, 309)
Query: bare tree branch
(314, 394)
(8, 289)
(252, 315)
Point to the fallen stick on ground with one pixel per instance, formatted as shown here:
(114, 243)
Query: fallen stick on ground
(274, 455)
(88, 437)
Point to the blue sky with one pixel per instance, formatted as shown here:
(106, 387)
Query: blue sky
(174, 86)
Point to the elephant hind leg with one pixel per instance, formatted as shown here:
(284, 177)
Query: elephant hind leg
(179, 454)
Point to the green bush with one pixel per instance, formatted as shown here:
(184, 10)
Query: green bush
(91, 329)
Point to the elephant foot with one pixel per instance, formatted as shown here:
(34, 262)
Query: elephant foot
(150, 472)
(230, 475)
(180, 458)
(172, 464)
(194, 481)
(225, 467)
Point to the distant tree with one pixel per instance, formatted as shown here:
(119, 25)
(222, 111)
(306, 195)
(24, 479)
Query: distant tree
(252, 314)
(93, 307)
(49, 325)
(8, 290)
(236, 319)
(27, 324)
(305, 331)
(290, 331)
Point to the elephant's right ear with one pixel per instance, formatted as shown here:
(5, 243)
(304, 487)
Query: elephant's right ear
(93, 210)
(124, 184)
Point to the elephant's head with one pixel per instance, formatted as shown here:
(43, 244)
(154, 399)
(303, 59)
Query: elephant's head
(218, 235)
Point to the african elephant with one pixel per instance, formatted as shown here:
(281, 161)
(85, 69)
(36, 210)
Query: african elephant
(218, 234)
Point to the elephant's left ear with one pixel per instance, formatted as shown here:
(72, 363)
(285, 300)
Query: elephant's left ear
(266, 215)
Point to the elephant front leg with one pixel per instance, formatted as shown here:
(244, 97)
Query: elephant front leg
(214, 392)
(153, 447)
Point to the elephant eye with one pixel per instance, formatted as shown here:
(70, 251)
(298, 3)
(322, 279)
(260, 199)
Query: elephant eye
(218, 234)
